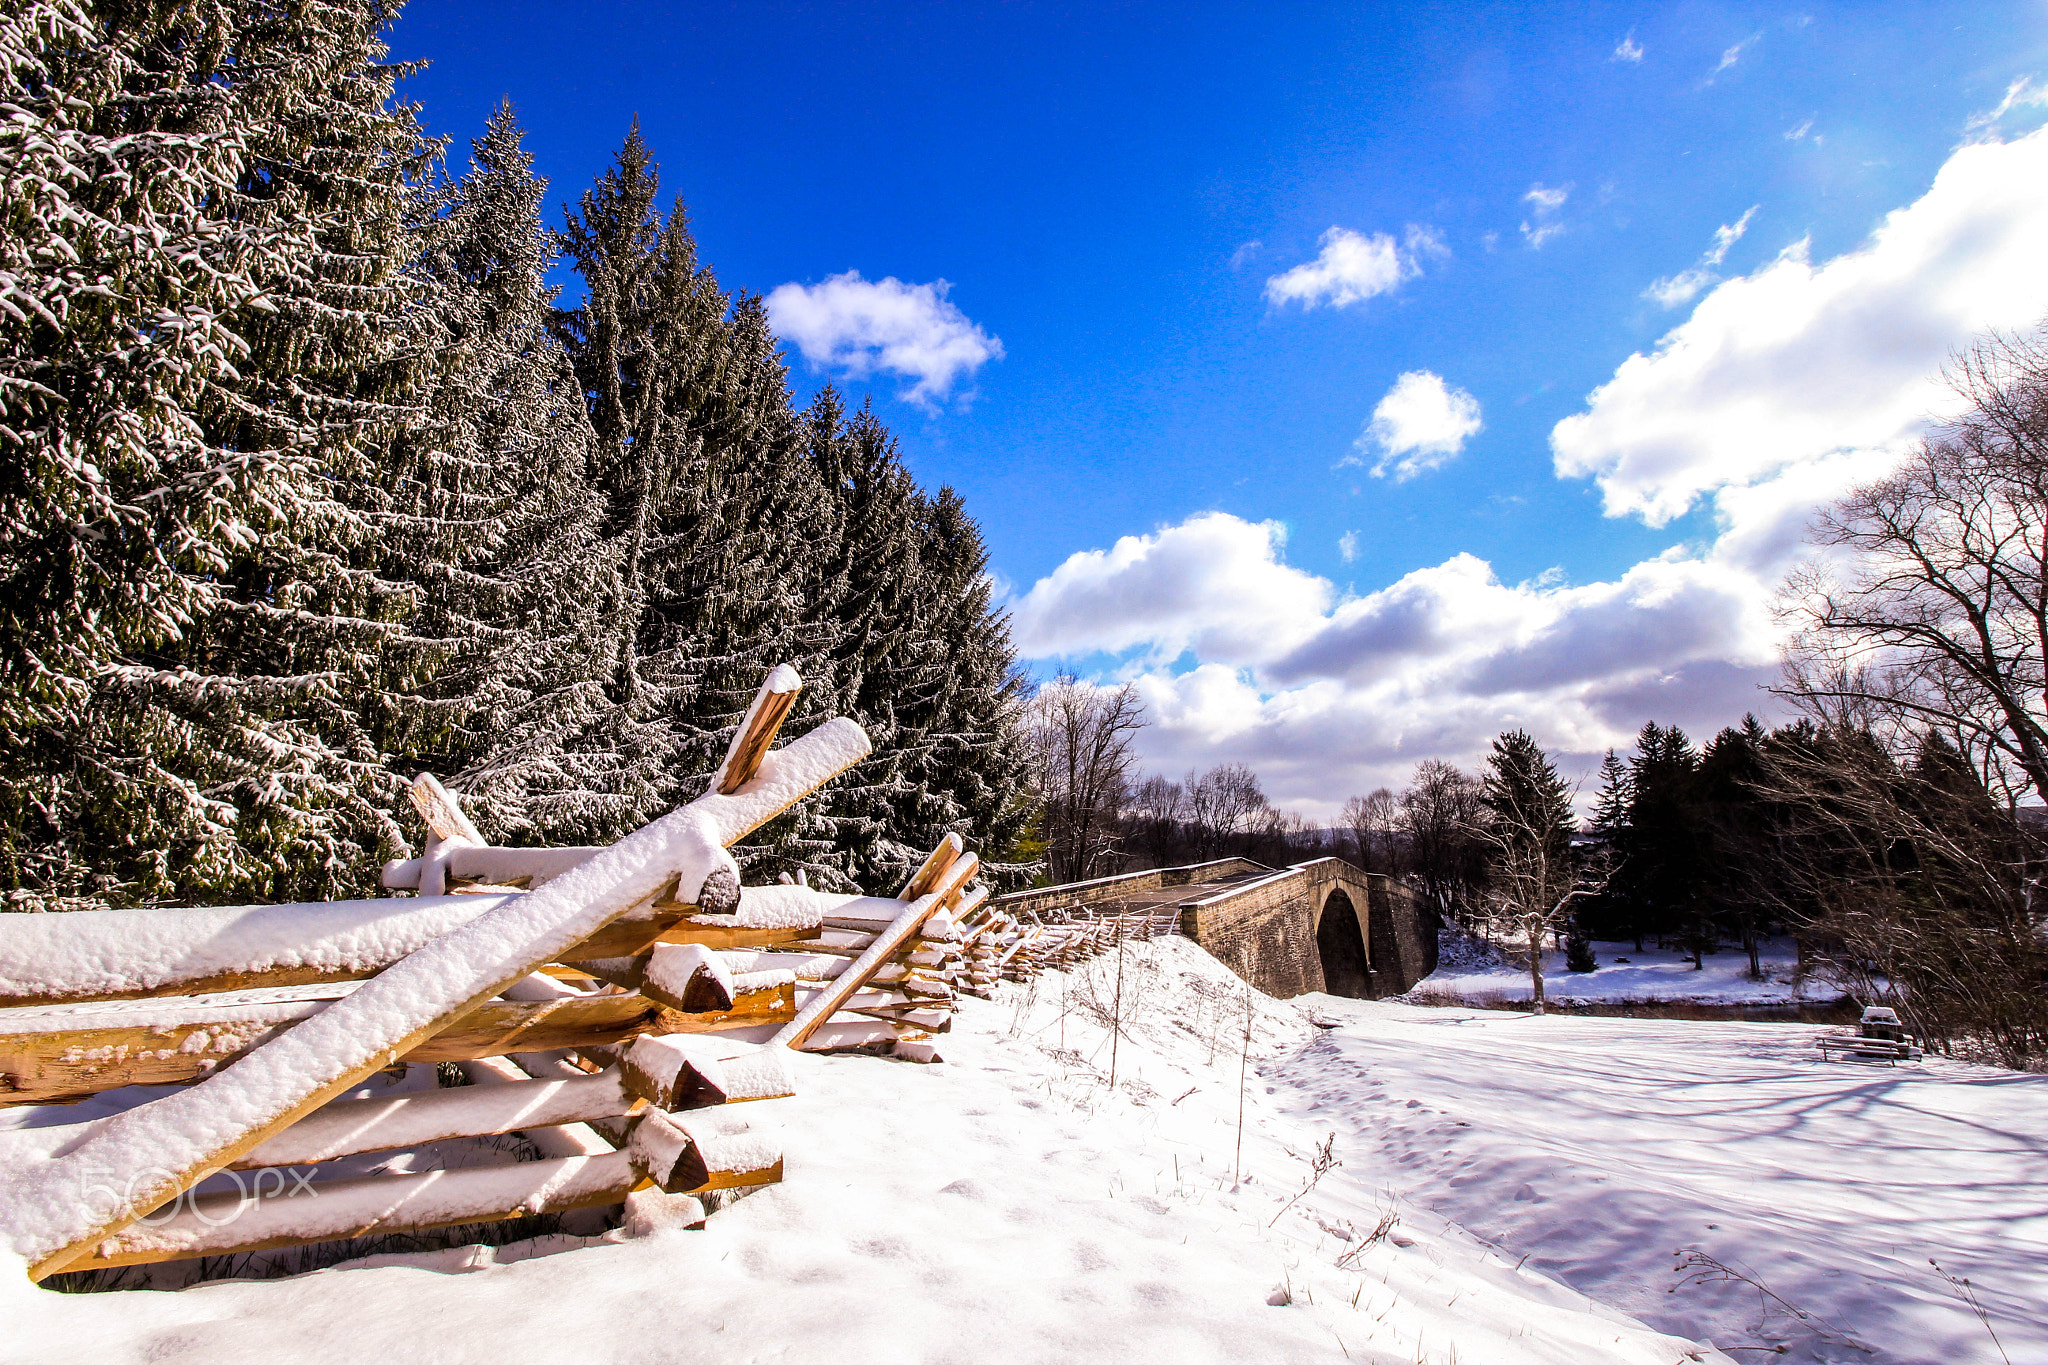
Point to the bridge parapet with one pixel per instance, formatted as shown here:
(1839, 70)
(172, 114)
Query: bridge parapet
(1123, 886)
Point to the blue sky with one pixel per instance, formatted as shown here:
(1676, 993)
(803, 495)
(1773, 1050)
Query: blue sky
(1191, 250)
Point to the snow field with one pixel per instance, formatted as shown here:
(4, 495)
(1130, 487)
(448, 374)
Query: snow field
(1598, 1147)
(1005, 1205)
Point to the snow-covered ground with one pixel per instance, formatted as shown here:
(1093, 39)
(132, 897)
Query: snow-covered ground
(1600, 1147)
(1002, 1206)
(1007, 1205)
(1623, 974)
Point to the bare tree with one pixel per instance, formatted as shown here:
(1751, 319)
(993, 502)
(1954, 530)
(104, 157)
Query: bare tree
(1154, 818)
(1935, 613)
(1531, 892)
(1533, 880)
(1922, 659)
(1914, 885)
(1373, 822)
(1288, 836)
(1439, 809)
(1080, 745)
(1225, 805)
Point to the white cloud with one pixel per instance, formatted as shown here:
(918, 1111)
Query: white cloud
(1347, 546)
(1214, 584)
(1544, 203)
(1686, 284)
(1628, 49)
(1327, 698)
(1797, 363)
(2021, 94)
(863, 327)
(1732, 55)
(1421, 424)
(1672, 290)
(1799, 133)
(1727, 235)
(1353, 267)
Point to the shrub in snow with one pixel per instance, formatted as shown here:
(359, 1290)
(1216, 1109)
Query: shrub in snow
(1578, 954)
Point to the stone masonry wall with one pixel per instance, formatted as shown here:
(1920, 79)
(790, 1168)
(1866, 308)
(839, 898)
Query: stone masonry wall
(1265, 933)
(1414, 929)
(1266, 930)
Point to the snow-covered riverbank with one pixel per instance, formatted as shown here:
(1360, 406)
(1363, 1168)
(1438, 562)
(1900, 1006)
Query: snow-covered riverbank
(1624, 974)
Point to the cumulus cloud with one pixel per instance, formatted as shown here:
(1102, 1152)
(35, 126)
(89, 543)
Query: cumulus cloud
(1544, 202)
(1421, 424)
(1353, 267)
(1214, 583)
(1797, 363)
(1327, 697)
(862, 327)
(1347, 546)
(1686, 284)
(1627, 50)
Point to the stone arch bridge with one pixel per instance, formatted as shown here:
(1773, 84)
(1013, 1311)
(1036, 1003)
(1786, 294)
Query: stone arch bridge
(1315, 926)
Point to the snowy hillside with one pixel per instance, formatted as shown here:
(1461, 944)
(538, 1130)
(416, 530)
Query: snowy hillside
(1000, 1206)
(1006, 1206)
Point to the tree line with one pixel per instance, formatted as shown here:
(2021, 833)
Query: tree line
(309, 481)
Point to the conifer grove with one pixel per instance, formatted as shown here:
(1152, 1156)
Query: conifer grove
(308, 483)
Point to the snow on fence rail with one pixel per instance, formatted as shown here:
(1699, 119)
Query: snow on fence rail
(597, 995)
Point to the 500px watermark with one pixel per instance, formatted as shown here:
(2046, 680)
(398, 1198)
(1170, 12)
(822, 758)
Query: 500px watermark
(217, 1209)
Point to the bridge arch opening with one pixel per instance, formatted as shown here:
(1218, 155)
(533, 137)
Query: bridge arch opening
(1341, 944)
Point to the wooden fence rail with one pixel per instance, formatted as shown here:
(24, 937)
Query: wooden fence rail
(539, 970)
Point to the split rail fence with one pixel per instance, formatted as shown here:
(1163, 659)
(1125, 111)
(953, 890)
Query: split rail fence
(1005, 946)
(608, 1002)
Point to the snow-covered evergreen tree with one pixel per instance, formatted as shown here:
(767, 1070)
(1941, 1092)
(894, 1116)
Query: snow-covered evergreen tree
(204, 343)
(314, 635)
(876, 569)
(305, 485)
(976, 763)
(762, 580)
(495, 522)
(921, 660)
(723, 527)
(647, 342)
